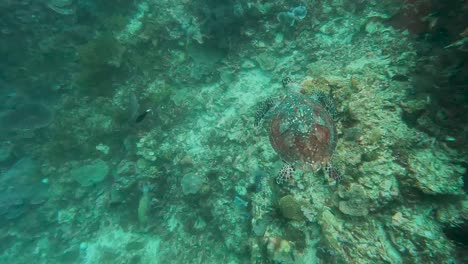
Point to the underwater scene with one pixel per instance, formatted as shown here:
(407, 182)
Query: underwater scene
(233, 131)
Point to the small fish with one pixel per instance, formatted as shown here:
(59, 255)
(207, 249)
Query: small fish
(142, 116)
(286, 81)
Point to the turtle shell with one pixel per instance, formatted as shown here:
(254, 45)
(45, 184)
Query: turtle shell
(302, 132)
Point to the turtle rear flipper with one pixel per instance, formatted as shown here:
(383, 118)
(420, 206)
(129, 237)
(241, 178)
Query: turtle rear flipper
(262, 110)
(286, 173)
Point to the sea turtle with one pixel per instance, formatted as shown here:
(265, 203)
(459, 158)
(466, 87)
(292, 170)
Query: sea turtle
(301, 130)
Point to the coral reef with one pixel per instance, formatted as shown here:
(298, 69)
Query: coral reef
(134, 132)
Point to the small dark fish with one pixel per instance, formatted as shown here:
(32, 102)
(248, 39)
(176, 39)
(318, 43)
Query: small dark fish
(400, 78)
(286, 81)
(142, 116)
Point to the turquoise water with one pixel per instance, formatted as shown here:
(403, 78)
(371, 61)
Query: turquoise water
(233, 131)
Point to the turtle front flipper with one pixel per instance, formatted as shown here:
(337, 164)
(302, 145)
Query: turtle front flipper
(262, 110)
(327, 102)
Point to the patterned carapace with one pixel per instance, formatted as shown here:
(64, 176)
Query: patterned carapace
(303, 132)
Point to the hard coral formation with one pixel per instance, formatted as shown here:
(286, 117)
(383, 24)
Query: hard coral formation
(433, 173)
(410, 232)
(91, 173)
(355, 200)
(347, 86)
(191, 183)
(290, 208)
